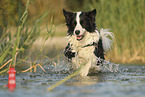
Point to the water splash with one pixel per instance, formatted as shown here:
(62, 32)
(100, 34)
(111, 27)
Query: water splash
(61, 66)
(65, 67)
(107, 66)
(112, 67)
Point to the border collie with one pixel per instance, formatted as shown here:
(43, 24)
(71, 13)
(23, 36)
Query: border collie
(86, 44)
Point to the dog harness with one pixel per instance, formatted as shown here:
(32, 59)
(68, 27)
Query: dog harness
(93, 44)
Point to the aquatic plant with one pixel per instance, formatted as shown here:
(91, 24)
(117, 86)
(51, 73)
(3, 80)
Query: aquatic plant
(14, 44)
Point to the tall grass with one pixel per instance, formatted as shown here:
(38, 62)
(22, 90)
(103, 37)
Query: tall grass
(126, 18)
(13, 48)
(13, 44)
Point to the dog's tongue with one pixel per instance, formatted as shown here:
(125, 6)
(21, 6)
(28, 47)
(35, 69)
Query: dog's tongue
(79, 37)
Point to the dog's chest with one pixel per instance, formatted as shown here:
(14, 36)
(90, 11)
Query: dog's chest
(85, 56)
(85, 52)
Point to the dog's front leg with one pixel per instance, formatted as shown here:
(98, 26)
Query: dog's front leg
(83, 64)
(68, 52)
(85, 69)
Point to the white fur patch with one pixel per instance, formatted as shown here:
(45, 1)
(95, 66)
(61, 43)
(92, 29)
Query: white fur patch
(107, 42)
(78, 25)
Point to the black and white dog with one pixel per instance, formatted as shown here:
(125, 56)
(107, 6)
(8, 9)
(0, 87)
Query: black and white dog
(85, 43)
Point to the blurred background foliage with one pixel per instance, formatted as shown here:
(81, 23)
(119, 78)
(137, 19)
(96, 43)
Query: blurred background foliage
(125, 18)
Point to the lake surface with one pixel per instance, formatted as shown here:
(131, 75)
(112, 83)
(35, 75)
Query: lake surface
(124, 81)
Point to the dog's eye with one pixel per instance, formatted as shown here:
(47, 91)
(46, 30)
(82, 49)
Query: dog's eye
(74, 23)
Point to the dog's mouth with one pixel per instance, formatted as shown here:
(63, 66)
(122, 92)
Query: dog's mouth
(80, 37)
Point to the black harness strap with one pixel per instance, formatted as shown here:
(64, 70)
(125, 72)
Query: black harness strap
(93, 44)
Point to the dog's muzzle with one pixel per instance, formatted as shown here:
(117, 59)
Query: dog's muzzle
(79, 37)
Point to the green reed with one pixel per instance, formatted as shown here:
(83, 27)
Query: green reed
(126, 19)
(14, 44)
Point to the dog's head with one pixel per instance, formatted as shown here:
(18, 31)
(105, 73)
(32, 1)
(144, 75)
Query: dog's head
(80, 23)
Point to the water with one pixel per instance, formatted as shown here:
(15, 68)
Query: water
(124, 81)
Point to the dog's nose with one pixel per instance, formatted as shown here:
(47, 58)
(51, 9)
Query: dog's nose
(77, 32)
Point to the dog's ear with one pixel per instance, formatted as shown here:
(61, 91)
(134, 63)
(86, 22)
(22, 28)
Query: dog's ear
(91, 13)
(67, 14)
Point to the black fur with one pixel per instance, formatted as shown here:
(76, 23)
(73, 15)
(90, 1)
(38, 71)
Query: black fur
(99, 52)
(70, 21)
(87, 20)
(68, 52)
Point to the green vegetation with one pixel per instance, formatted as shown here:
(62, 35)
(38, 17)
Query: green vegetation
(13, 45)
(18, 29)
(126, 18)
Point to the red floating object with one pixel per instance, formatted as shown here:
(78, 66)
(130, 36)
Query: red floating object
(12, 79)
